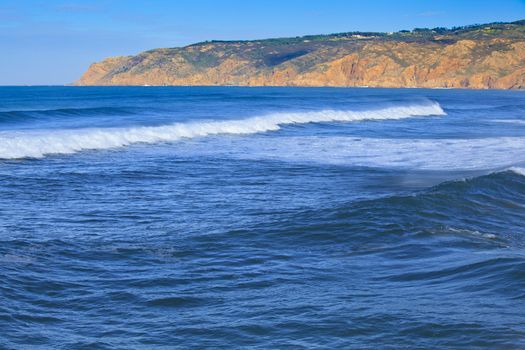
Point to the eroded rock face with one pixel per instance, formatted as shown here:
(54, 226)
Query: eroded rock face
(481, 57)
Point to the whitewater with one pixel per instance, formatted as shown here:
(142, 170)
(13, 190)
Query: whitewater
(38, 144)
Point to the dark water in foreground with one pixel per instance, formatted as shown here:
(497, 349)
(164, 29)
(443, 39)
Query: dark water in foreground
(220, 218)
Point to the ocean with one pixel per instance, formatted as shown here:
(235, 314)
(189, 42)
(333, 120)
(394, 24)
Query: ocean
(261, 218)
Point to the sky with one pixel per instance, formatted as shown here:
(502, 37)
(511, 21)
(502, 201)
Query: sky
(52, 42)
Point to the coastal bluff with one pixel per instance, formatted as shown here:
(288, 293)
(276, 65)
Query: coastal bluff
(488, 56)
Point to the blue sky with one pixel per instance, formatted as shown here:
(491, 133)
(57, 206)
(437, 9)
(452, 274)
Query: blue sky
(53, 41)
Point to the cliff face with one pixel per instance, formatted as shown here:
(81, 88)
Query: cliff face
(484, 56)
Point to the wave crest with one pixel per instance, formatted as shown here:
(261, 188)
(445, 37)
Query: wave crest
(518, 170)
(38, 144)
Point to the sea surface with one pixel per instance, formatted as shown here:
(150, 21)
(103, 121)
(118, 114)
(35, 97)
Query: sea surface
(261, 218)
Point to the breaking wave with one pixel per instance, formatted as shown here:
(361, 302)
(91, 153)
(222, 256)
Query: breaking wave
(14, 145)
(518, 170)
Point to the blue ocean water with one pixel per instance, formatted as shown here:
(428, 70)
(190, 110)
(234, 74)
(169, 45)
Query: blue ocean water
(265, 218)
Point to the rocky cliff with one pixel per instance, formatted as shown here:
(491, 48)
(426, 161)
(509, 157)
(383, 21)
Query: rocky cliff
(480, 57)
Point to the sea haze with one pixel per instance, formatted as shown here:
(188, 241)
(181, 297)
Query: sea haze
(289, 218)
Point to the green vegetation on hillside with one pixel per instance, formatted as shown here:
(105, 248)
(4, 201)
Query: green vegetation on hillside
(474, 56)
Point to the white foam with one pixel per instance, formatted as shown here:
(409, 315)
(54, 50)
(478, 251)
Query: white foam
(472, 232)
(37, 144)
(483, 154)
(518, 170)
(510, 121)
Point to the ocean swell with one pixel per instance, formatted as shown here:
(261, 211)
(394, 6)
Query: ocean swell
(486, 207)
(18, 116)
(14, 145)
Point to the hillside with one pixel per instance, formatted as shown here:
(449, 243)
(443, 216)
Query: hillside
(479, 56)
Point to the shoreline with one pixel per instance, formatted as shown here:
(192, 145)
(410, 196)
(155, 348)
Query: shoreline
(269, 86)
